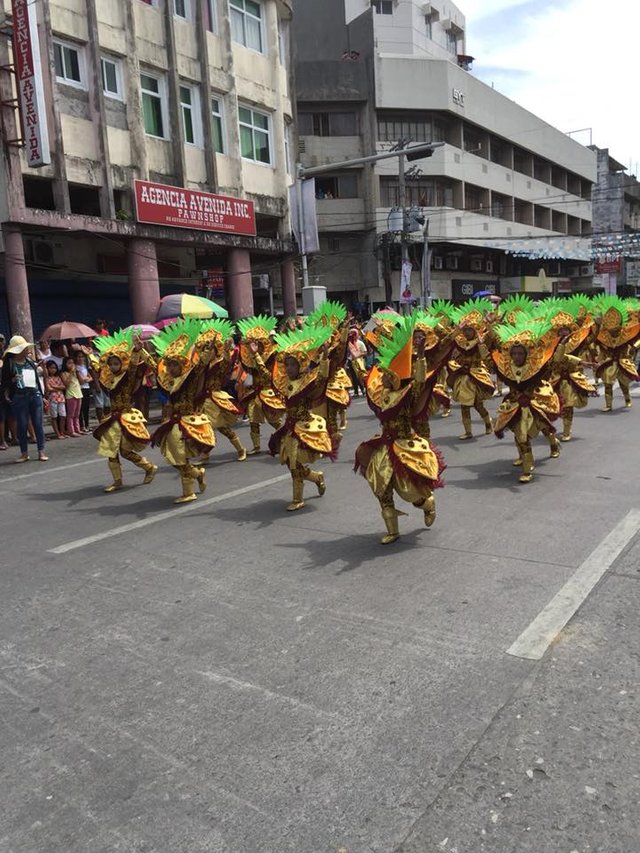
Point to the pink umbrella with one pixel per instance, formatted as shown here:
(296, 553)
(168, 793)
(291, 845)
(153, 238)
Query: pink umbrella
(67, 329)
(144, 330)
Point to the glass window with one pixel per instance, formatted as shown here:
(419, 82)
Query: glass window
(182, 9)
(428, 21)
(153, 105)
(112, 78)
(255, 141)
(186, 106)
(217, 121)
(68, 64)
(246, 23)
(328, 124)
(452, 42)
(382, 7)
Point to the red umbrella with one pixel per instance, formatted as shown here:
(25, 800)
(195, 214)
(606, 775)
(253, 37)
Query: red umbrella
(67, 329)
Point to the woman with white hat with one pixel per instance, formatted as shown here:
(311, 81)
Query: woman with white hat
(22, 387)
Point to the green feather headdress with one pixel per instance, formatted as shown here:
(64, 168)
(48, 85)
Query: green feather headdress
(441, 307)
(604, 304)
(122, 339)
(224, 328)
(259, 322)
(391, 350)
(328, 314)
(523, 330)
(423, 318)
(480, 307)
(182, 332)
(517, 302)
(303, 341)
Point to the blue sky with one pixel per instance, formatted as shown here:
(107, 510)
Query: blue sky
(572, 62)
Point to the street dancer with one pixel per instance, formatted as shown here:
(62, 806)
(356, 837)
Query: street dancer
(122, 432)
(300, 376)
(335, 398)
(186, 434)
(219, 406)
(433, 342)
(399, 460)
(522, 354)
(469, 379)
(257, 396)
(617, 343)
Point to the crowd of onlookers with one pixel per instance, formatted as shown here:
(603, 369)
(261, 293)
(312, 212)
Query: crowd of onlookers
(57, 381)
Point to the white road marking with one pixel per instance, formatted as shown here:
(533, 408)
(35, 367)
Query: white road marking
(163, 516)
(536, 639)
(46, 469)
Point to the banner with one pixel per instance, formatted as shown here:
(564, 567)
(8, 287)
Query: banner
(161, 204)
(305, 226)
(26, 53)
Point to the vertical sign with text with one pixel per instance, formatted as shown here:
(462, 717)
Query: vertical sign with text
(26, 52)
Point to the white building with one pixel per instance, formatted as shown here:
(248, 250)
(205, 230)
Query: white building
(502, 172)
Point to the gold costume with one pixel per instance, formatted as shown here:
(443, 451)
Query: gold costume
(185, 352)
(123, 432)
(531, 405)
(303, 438)
(399, 460)
(567, 375)
(432, 342)
(258, 398)
(219, 406)
(617, 344)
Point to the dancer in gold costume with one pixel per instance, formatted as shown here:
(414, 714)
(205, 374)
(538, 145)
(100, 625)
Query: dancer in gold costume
(123, 432)
(186, 434)
(433, 342)
(469, 379)
(300, 376)
(336, 401)
(257, 396)
(219, 406)
(399, 460)
(617, 343)
(522, 354)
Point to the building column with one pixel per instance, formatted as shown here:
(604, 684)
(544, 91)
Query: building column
(239, 291)
(289, 302)
(144, 283)
(16, 283)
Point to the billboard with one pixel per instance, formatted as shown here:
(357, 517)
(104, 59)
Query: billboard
(26, 52)
(177, 207)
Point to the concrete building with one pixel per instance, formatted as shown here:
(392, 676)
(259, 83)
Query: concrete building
(185, 94)
(616, 212)
(373, 74)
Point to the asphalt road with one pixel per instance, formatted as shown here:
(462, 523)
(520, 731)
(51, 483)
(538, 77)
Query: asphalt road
(231, 677)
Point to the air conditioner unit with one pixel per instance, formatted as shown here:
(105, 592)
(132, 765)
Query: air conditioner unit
(452, 262)
(438, 262)
(489, 266)
(45, 253)
(476, 264)
(586, 269)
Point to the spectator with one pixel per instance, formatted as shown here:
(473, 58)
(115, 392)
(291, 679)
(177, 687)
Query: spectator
(356, 354)
(72, 397)
(22, 387)
(55, 389)
(101, 328)
(43, 351)
(85, 378)
(100, 395)
(58, 353)
(4, 407)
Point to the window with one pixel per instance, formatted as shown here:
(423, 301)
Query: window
(416, 129)
(328, 124)
(382, 7)
(154, 107)
(217, 122)
(428, 21)
(246, 23)
(452, 42)
(69, 64)
(112, 78)
(182, 9)
(424, 193)
(190, 109)
(255, 141)
(340, 186)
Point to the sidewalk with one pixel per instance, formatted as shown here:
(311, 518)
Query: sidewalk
(559, 768)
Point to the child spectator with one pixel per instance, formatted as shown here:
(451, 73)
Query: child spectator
(73, 397)
(54, 387)
(85, 378)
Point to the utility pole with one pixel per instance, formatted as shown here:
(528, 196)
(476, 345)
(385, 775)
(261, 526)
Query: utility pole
(402, 201)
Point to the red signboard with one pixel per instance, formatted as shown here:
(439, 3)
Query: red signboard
(608, 265)
(26, 52)
(161, 204)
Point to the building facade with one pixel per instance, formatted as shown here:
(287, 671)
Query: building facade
(500, 173)
(178, 95)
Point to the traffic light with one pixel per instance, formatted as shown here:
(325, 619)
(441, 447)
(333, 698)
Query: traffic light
(420, 154)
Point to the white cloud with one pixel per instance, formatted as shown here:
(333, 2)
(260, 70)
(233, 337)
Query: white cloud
(578, 60)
